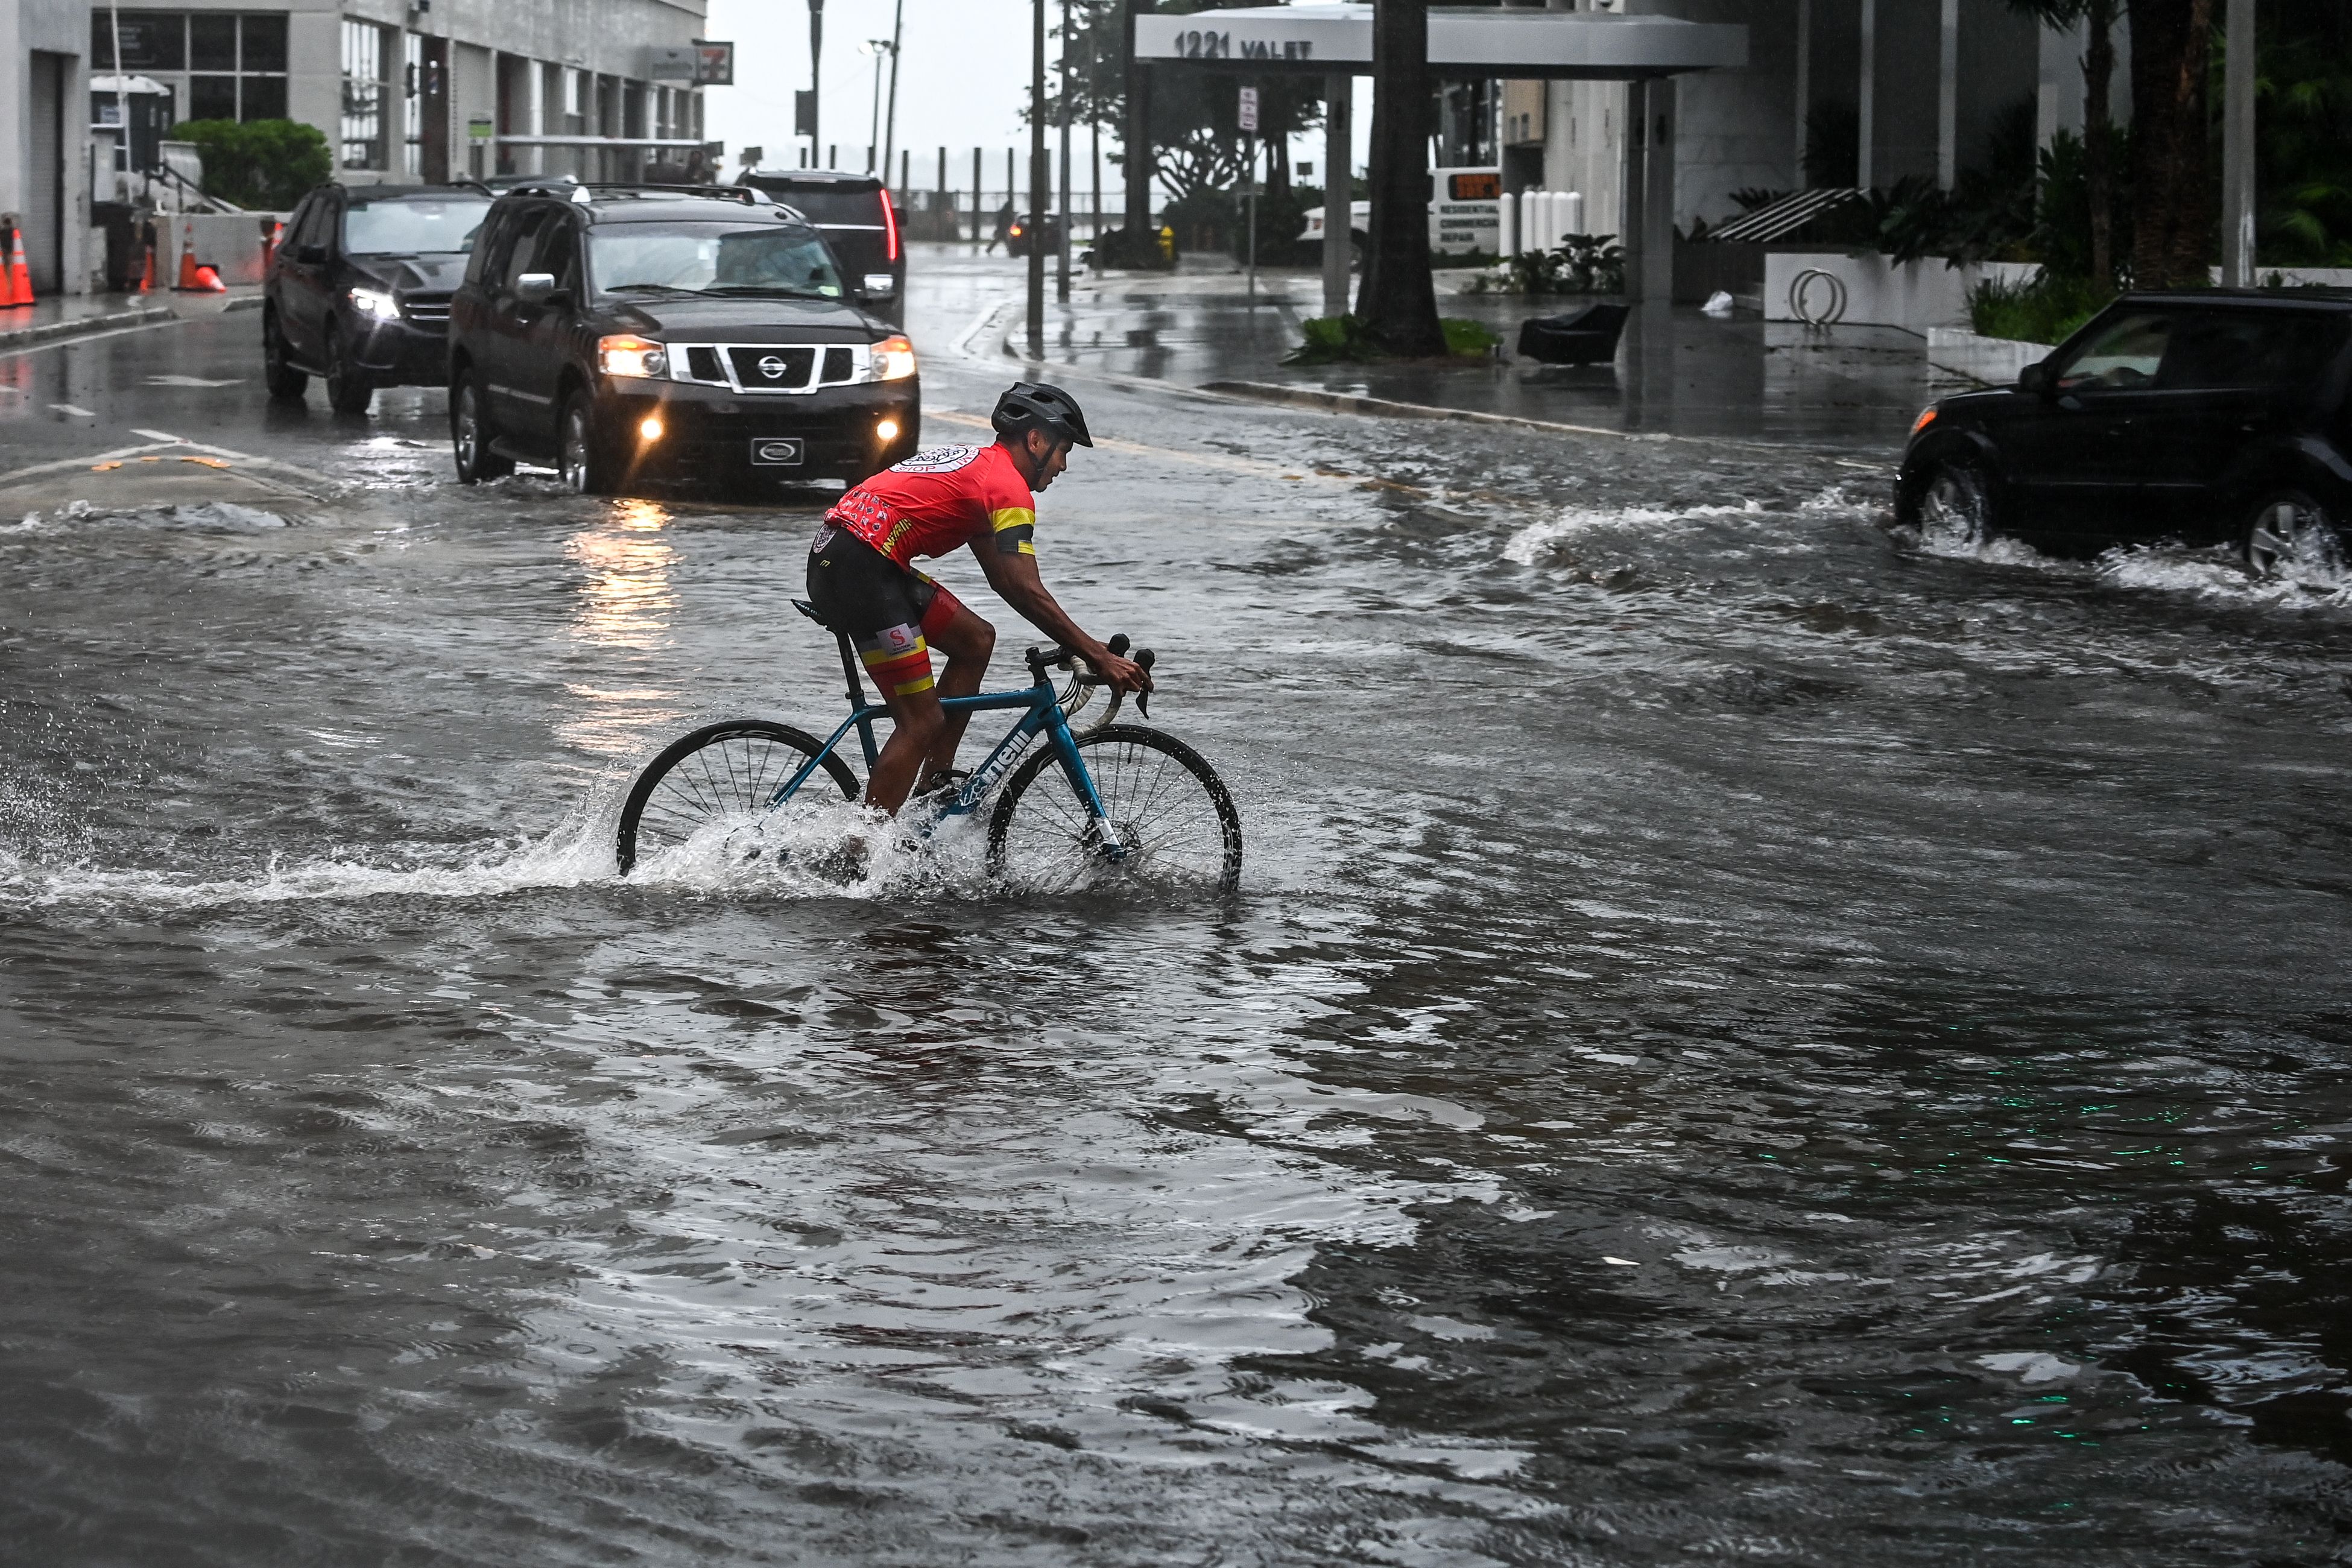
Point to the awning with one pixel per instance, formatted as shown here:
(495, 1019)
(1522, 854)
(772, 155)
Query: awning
(1323, 39)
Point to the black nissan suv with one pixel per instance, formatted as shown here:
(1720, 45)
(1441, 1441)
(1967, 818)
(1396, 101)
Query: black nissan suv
(631, 333)
(2208, 416)
(358, 289)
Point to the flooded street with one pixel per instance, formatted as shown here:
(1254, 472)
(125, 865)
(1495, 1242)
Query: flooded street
(1741, 1036)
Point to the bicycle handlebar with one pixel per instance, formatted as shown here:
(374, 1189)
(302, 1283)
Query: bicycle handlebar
(1041, 658)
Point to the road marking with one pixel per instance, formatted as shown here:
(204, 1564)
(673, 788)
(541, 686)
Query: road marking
(157, 434)
(69, 408)
(280, 476)
(91, 337)
(190, 381)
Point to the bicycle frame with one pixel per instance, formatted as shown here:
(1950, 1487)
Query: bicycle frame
(1041, 715)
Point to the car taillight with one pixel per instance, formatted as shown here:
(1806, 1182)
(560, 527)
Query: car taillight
(894, 360)
(1927, 417)
(889, 228)
(625, 354)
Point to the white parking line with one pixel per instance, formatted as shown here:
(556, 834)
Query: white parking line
(69, 408)
(156, 435)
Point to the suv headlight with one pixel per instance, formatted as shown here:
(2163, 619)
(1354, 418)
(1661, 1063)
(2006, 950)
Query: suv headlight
(625, 354)
(376, 302)
(894, 360)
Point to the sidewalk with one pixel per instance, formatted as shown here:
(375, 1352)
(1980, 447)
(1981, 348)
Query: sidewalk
(79, 315)
(1677, 373)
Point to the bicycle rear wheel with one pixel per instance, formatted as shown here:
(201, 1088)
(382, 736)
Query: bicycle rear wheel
(1168, 807)
(721, 772)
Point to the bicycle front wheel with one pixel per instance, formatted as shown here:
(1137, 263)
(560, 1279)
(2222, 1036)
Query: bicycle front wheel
(721, 773)
(1175, 826)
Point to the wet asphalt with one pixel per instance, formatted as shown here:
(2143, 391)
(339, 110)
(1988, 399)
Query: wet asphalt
(1742, 1035)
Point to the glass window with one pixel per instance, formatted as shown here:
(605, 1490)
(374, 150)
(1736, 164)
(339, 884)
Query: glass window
(263, 41)
(834, 204)
(363, 96)
(212, 41)
(152, 40)
(411, 227)
(2121, 356)
(212, 97)
(559, 253)
(526, 245)
(719, 257)
(261, 98)
(2218, 349)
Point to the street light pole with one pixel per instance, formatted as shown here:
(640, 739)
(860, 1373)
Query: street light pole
(891, 125)
(1062, 251)
(817, 52)
(1038, 194)
(876, 47)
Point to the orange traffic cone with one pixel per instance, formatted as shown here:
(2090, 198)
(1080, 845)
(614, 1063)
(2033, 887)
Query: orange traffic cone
(147, 277)
(194, 277)
(18, 283)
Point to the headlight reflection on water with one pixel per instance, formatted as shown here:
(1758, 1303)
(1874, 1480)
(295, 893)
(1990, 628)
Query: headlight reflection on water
(621, 620)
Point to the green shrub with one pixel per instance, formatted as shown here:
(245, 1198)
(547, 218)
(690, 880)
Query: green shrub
(1342, 340)
(263, 163)
(2044, 310)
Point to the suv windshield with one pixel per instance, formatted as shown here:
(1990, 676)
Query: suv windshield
(412, 227)
(709, 257)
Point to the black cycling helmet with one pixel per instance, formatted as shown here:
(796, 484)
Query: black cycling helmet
(1032, 405)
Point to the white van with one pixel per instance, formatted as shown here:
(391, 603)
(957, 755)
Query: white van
(1466, 213)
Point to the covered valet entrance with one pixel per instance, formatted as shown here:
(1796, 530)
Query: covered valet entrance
(1335, 41)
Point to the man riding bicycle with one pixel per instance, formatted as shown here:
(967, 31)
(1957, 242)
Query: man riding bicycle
(862, 578)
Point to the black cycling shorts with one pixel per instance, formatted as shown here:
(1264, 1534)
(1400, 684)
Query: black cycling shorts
(885, 608)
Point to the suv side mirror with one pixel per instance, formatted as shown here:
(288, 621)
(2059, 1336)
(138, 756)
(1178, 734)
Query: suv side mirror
(535, 287)
(2034, 377)
(879, 286)
(311, 255)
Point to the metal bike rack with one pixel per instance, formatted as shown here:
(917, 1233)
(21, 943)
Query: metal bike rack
(1800, 298)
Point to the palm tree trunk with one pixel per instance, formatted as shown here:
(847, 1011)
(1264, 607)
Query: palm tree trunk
(1398, 299)
(2172, 49)
(2098, 136)
(1142, 161)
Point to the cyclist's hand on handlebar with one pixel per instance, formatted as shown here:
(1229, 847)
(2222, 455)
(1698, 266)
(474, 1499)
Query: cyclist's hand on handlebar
(1121, 674)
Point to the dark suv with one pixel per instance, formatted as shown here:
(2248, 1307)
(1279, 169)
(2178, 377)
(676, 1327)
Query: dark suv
(358, 290)
(854, 213)
(2213, 416)
(705, 332)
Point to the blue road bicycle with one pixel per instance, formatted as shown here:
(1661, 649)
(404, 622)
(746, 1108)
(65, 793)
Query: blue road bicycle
(1090, 807)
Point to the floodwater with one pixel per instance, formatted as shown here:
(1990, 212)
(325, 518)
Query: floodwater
(1741, 1038)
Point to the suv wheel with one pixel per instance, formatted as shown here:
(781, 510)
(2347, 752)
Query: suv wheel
(470, 435)
(348, 391)
(1956, 507)
(587, 466)
(2291, 537)
(286, 384)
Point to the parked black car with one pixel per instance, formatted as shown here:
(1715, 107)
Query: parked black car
(627, 333)
(858, 218)
(359, 289)
(2205, 417)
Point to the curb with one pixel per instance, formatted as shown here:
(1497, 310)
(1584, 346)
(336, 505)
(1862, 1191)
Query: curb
(82, 326)
(1385, 408)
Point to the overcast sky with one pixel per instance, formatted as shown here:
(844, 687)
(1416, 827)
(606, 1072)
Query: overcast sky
(962, 83)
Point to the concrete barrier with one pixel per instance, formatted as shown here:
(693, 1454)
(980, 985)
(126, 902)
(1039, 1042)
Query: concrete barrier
(235, 245)
(1995, 362)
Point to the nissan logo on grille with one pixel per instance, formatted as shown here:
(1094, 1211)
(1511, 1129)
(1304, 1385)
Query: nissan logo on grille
(772, 368)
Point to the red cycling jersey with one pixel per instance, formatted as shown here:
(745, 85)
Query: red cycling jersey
(940, 499)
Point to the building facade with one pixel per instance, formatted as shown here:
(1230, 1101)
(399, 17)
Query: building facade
(1860, 92)
(402, 90)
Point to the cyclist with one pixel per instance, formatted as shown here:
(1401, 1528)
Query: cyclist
(862, 578)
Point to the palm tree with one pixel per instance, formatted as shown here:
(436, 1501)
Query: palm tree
(1397, 302)
(2175, 211)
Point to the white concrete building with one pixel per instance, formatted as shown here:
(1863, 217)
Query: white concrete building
(44, 137)
(432, 90)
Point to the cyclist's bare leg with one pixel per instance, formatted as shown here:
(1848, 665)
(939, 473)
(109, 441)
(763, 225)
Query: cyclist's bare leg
(915, 721)
(968, 641)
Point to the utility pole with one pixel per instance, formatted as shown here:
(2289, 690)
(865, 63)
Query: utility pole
(876, 47)
(1038, 194)
(890, 126)
(1062, 250)
(817, 52)
(2238, 146)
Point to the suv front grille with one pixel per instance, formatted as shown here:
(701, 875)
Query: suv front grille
(425, 306)
(783, 368)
